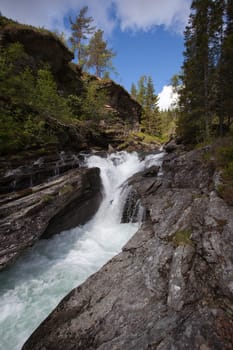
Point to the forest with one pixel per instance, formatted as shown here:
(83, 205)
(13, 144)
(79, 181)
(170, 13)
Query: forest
(206, 95)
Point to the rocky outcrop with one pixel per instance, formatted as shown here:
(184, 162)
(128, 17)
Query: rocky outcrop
(43, 47)
(121, 101)
(39, 43)
(61, 204)
(171, 287)
(20, 173)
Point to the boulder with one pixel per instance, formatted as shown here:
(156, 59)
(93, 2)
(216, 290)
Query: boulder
(61, 204)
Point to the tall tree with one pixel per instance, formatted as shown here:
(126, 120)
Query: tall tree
(99, 55)
(151, 111)
(81, 30)
(226, 70)
(145, 95)
(194, 121)
(141, 90)
(133, 91)
(216, 34)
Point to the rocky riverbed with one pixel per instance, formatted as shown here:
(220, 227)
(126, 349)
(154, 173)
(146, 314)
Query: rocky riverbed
(172, 285)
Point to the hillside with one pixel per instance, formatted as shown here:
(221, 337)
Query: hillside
(46, 102)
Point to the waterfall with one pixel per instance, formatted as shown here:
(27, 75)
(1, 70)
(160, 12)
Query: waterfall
(31, 289)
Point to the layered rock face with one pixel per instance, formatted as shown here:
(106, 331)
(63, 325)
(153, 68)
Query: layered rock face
(171, 287)
(63, 203)
(126, 107)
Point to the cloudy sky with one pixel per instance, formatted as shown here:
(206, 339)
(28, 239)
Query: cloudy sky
(146, 34)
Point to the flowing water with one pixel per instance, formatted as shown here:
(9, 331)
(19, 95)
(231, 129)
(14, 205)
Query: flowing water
(32, 288)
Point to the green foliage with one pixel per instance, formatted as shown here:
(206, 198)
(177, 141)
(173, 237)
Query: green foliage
(81, 28)
(74, 103)
(93, 102)
(206, 97)
(168, 123)
(223, 154)
(26, 100)
(147, 138)
(145, 95)
(133, 91)
(48, 101)
(99, 55)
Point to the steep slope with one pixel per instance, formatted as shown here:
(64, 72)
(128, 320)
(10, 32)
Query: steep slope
(63, 130)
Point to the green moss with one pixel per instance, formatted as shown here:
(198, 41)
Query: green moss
(169, 204)
(47, 198)
(182, 237)
(66, 189)
(147, 138)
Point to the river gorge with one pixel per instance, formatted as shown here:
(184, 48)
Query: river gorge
(48, 271)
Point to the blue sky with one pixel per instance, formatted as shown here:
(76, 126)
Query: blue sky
(147, 35)
(157, 53)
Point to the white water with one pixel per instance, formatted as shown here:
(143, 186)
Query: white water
(32, 288)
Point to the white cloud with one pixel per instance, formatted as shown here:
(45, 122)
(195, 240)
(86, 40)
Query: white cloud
(130, 14)
(167, 97)
(145, 14)
(50, 14)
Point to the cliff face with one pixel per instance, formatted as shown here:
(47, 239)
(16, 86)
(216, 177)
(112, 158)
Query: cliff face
(42, 45)
(63, 203)
(171, 287)
(121, 101)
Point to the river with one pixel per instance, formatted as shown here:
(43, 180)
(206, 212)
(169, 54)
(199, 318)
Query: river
(32, 288)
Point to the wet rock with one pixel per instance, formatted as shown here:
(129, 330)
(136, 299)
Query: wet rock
(61, 204)
(17, 177)
(171, 286)
(170, 146)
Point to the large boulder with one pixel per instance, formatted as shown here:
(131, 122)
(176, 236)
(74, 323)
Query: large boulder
(171, 287)
(51, 207)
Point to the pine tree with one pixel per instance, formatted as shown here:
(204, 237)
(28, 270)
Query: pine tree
(151, 121)
(141, 90)
(225, 91)
(194, 121)
(133, 91)
(216, 33)
(81, 29)
(99, 55)
(152, 117)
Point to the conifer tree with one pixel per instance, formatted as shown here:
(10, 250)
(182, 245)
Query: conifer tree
(194, 121)
(99, 55)
(226, 71)
(207, 71)
(141, 90)
(81, 29)
(151, 121)
(133, 91)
